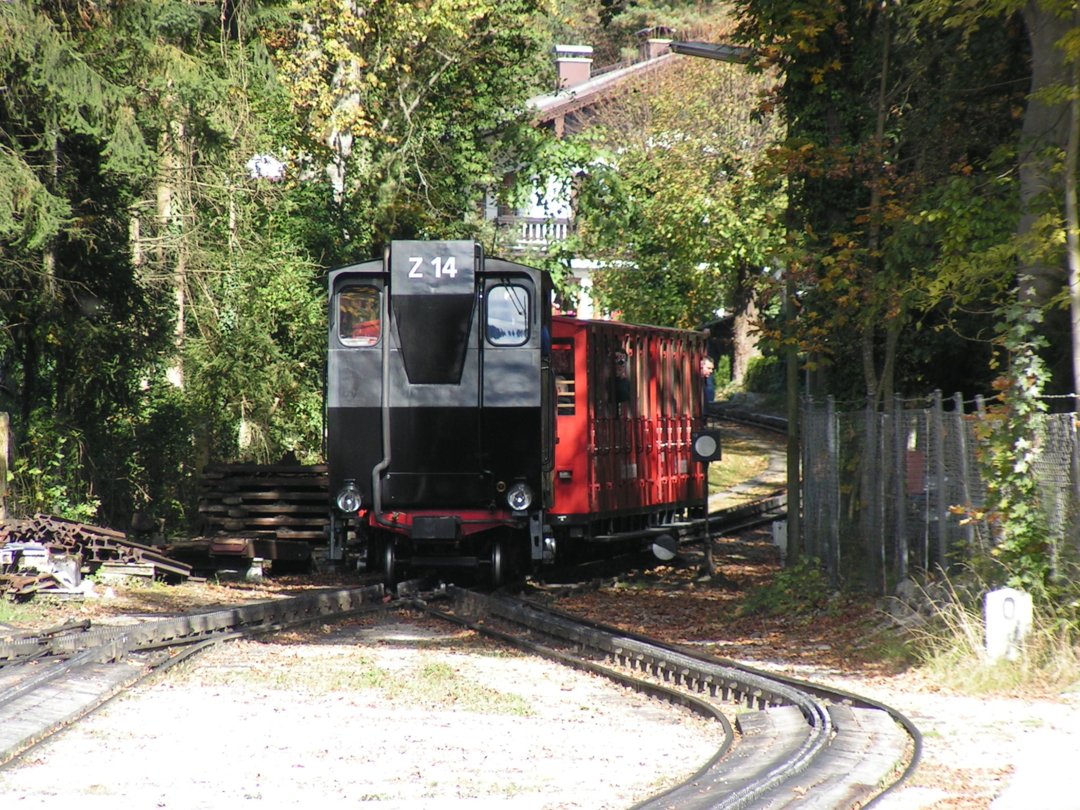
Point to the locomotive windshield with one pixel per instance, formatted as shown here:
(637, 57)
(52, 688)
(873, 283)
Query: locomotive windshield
(507, 315)
(359, 320)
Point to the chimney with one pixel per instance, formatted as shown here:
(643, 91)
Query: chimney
(654, 42)
(574, 64)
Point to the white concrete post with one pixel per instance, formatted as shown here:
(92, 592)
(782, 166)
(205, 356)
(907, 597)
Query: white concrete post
(1008, 615)
(779, 537)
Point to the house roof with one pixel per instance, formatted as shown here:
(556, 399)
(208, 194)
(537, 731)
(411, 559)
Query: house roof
(550, 106)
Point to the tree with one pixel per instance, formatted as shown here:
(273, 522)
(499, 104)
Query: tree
(413, 109)
(675, 211)
(883, 115)
(68, 347)
(150, 252)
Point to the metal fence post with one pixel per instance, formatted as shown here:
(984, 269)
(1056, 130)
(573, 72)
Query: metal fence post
(940, 507)
(965, 468)
(900, 484)
(832, 440)
(5, 449)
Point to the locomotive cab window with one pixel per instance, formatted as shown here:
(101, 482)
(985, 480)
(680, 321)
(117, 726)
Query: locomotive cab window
(359, 316)
(507, 315)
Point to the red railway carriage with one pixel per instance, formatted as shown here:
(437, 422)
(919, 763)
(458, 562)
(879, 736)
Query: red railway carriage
(469, 428)
(628, 403)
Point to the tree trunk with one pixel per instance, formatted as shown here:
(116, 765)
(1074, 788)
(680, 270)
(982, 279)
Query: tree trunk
(1072, 225)
(1045, 139)
(873, 381)
(743, 339)
(171, 251)
(1045, 132)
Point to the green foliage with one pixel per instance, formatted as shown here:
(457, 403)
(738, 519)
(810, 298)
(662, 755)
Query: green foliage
(892, 167)
(722, 375)
(45, 477)
(797, 590)
(123, 264)
(672, 206)
(1011, 442)
(29, 214)
(416, 107)
(255, 362)
(765, 375)
(968, 222)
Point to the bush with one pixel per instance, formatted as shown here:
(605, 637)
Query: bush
(950, 646)
(800, 589)
(765, 375)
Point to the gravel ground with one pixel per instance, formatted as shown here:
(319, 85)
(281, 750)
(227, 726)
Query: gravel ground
(336, 717)
(978, 752)
(344, 718)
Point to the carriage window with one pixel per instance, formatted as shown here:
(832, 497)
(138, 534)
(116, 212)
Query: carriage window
(507, 315)
(562, 365)
(358, 316)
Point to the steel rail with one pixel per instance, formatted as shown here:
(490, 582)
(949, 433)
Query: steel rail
(778, 424)
(751, 689)
(698, 672)
(161, 643)
(178, 638)
(825, 692)
(674, 696)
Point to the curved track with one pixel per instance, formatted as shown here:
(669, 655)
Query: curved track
(795, 740)
(800, 744)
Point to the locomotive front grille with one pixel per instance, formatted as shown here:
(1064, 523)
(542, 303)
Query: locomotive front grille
(431, 490)
(435, 528)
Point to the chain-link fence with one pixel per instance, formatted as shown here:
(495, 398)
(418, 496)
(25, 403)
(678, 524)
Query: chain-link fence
(889, 493)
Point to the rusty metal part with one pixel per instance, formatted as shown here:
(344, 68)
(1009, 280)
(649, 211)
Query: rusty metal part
(95, 544)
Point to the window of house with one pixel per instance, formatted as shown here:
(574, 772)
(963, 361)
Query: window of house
(507, 315)
(359, 316)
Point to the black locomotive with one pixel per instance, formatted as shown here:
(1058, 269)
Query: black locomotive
(468, 427)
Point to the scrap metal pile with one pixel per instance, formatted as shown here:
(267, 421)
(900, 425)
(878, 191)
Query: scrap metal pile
(50, 554)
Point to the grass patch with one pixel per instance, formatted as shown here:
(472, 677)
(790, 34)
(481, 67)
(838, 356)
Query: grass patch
(438, 684)
(799, 589)
(950, 648)
(12, 613)
(888, 647)
(746, 459)
(428, 684)
(279, 670)
(739, 464)
(29, 614)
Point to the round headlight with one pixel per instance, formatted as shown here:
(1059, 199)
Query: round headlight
(519, 497)
(348, 499)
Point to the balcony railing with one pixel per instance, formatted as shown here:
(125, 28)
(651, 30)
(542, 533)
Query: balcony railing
(532, 233)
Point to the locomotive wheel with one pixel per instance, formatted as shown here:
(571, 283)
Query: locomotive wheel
(389, 562)
(499, 564)
(372, 560)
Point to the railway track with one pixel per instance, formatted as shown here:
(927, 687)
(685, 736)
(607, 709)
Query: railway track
(785, 741)
(51, 679)
(798, 744)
